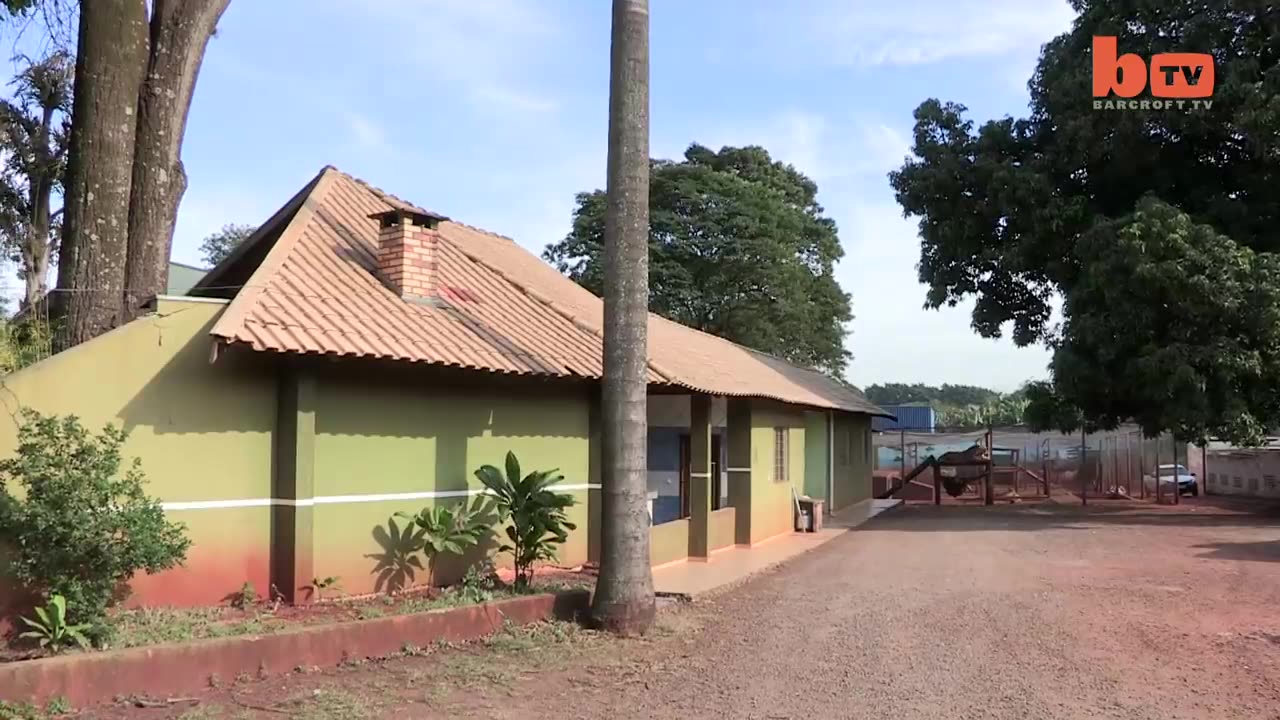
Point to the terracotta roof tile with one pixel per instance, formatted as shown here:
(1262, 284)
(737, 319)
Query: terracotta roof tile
(503, 309)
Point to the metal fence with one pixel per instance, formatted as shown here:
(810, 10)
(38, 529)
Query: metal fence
(1114, 464)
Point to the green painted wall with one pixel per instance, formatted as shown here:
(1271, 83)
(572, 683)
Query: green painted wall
(392, 436)
(772, 506)
(230, 547)
(853, 459)
(668, 542)
(722, 524)
(203, 432)
(816, 457)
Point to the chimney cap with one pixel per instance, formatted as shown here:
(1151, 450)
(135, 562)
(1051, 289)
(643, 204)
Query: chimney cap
(415, 215)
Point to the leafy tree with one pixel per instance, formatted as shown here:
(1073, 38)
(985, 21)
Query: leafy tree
(33, 137)
(78, 527)
(217, 246)
(23, 343)
(956, 406)
(1195, 345)
(739, 247)
(1016, 212)
(947, 394)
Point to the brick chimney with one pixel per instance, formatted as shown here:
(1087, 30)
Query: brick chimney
(408, 243)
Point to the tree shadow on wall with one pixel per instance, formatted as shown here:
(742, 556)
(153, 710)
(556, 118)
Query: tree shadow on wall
(400, 561)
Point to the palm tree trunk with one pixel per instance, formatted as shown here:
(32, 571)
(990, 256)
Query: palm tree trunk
(624, 601)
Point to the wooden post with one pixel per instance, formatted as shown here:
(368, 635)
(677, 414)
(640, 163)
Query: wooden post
(937, 482)
(1142, 465)
(1044, 460)
(1177, 487)
(1017, 468)
(1115, 461)
(902, 453)
(1202, 482)
(1084, 456)
(1156, 473)
(1128, 466)
(988, 497)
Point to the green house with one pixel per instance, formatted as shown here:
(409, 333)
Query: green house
(359, 356)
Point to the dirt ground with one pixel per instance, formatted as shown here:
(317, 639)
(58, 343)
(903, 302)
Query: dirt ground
(1048, 611)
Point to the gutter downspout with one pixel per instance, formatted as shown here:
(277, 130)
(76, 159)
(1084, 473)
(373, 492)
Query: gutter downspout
(831, 460)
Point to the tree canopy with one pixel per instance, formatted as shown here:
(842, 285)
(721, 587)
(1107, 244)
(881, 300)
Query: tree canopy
(738, 247)
(947, 394)
(956, 406)
(217, 246)
(34, 125)
(1071, 200)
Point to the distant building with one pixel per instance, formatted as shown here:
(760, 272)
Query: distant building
(182, 278)
(916, 417)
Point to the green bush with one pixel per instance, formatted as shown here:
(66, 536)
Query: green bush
(451, 530)
(50, 628)
(537, 514)
(79, 528)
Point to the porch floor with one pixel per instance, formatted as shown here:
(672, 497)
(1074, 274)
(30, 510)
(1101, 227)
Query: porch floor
(732, 565)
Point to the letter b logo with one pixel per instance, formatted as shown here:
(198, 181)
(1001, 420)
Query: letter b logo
(1125, 74)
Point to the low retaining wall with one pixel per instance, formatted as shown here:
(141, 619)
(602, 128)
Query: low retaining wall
(668, 542)
(723, 524)
(165, 670)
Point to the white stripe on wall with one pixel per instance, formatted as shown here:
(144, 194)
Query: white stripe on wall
(346, 499)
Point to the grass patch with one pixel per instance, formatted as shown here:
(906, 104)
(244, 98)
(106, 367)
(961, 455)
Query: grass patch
(152, 626)
(329, 704)
(499, 661)
(202, 713)
(55, 708)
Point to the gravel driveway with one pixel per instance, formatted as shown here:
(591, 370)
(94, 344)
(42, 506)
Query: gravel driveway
(972, 613)
(952, 612)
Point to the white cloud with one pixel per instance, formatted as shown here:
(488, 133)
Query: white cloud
(916, 32)
(509, 99)
(203, 213)
(483, 49)
(366, 132)
(894, 339)
(825, 148)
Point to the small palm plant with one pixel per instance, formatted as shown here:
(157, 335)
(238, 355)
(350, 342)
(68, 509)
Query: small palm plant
(50, 627)
(451, 530)
(538, 523)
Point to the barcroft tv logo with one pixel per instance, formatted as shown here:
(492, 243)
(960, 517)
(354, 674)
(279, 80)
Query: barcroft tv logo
(1173, 81)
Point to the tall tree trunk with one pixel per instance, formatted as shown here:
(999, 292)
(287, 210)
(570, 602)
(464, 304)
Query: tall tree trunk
(624, 592)
(180, 32)
(109, 66)
(35, 263)
(35, 249)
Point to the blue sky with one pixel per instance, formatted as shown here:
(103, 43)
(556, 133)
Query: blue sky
(494, 112)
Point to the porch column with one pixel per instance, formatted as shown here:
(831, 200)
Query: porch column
(699, 477)
(737, 435)
(293, 487)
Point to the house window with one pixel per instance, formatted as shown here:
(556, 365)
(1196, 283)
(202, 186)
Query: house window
(781, 454)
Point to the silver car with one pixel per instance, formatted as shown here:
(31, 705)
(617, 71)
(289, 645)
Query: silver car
(1170, 474)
